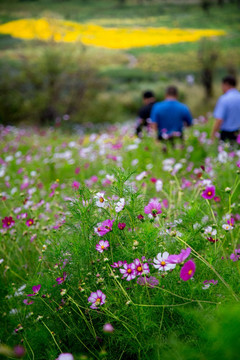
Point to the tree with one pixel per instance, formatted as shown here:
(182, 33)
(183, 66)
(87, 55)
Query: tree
(208, 55)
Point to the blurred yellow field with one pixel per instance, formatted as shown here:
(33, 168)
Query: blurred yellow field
(96, 35)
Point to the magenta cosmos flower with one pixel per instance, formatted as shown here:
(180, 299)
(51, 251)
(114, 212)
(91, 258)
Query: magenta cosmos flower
(153, 208)
(29, 222)
(128, 271)
(104, 227)
(102, 245)
(161, 262)
(97, 299)
(188, 270)
(61, 279)
(141, 268)
(178, 259)
(121, 226)
(7, 222)
(35, 290)
(209, 192)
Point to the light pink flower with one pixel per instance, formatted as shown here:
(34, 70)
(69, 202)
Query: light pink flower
(161, 262)
(102, 245)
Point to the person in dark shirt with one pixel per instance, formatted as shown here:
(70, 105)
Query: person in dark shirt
(170, 116)
(143, 119)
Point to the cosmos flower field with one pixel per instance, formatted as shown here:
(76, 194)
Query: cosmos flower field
(110, 244)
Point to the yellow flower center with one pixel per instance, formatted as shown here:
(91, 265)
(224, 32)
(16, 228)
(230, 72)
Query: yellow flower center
(163, 263)
(189, 272)
(129, 271)
(209, 193)
(98, 301)
(102, 247)
(101, 199)
(139, 268)
(107, 227)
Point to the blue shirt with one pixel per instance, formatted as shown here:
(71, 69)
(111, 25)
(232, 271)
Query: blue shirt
(170, 116)
(228, 110)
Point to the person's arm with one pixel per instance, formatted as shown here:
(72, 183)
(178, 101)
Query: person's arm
(216, 128)
(153, 117)
(187, 118)
(219, 113)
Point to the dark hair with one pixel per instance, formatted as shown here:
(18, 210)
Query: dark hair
(148, 94)
(230, 80)
(172, 91)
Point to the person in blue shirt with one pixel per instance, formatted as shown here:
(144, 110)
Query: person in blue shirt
(170, 116)
(227, 111)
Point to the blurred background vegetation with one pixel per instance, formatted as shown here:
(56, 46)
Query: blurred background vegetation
(41, 82)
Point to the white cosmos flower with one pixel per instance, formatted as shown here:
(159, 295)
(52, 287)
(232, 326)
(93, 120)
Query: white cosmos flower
(141, 176)
(161, 262)
(210, 231)
(227, 227)
(120, 205)
(101, 201)
(159, 185)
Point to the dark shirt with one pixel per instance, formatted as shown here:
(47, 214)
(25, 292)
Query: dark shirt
(145, 112)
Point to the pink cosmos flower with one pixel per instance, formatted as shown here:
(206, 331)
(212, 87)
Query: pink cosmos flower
(29, 222)
(60, 280)
(161, 262)
(108, 328)
(238, 139)
(150, 282)
(118, 264)
(128, 271)
(65, 356)
(7, 222)
(75, 185)
(97, 299)
(141, 268)
(178, 259)
(35, 290)
(188, 270)
(153, 208)
(26, 302)
(209, 192)
(19, 351)
(104, 227)
(102, 245)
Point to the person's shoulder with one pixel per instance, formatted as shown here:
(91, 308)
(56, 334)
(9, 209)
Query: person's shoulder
(157, 104)
(183, 106)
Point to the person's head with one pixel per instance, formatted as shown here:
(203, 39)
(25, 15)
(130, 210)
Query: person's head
(171, 92)
(228, 82)
(148, 97)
